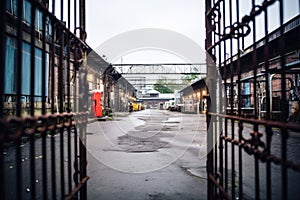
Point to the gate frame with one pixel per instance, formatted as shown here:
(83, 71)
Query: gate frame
(64, 116)
(223, 143)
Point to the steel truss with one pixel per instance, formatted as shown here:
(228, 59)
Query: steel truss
(162, 68)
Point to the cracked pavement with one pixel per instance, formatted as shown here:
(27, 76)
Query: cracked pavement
(150, 154)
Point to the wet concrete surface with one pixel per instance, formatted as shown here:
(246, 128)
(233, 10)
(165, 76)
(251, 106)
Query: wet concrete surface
(156, 154)
(150, 154)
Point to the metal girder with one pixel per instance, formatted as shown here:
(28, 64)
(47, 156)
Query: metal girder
(161, 68)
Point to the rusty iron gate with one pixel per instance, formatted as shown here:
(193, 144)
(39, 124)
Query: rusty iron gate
(253, 68)
(42, 99)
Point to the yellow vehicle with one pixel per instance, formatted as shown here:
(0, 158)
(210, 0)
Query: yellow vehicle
(136, 106)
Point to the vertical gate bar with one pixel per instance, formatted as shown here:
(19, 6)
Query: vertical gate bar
(75, 18)
(240, 159)
(69, 160)
(69, 106)
(53, 100)
(82, 14)
(83, 192)
(69, 15)
(18, 97)
(238, 66)
(215, 131)
(19, 178)
(76, 163)
(19, 58)
(2, 71)
(62, 148)
(254, 61)
(32, 107)
(232, 110)
(266, 65)
(209, 165)
(257, 188)
(61, 10)
(256, 111)
(32, 59)
(284, 183)
(268, 97)
(62, 171)
(2, 63)
(2, 185)
(215, 139)
(44, 63)
(226, 156)
(82, 141)
(268, 163)
(44, 111)
(256, 169)
(44, 166)
(75, 84)
(32, 167)
(76, 168)
(53, 164)
(240, 164)
(61, 98)
(52, 67)
(226, 120)
(60, 90)
(220, 103)
(284, 108)
(53, 7)
(232, 145)
(61, 109)
(282, 45)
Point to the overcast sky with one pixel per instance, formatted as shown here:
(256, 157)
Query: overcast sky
(108, 18)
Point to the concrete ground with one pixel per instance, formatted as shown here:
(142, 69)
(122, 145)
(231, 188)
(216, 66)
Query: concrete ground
(150, 154)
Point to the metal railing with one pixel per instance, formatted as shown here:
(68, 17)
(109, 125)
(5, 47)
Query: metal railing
(253, 118)
(42, 121)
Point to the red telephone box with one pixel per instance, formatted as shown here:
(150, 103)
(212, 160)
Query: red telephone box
(96, 103)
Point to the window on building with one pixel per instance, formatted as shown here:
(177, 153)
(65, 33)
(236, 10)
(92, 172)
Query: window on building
(27, 12)
(38, 20)
(25, 69)
(246, 95)
(11, 68)
(11, 6)
(38, 73)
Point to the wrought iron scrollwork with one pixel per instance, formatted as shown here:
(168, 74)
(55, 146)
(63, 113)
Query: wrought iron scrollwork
(254, 144)
(215, 16)
(238, 29)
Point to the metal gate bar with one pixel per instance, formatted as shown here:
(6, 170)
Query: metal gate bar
(38, 102)
(247, 127)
